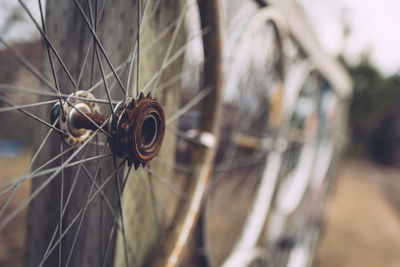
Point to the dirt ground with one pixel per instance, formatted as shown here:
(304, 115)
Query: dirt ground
(362, 222)
(12, 237)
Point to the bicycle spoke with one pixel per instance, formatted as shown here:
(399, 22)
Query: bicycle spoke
(168, 185)
(61, 206)
(14, 89)
(44, 35)
(15, 186)
(42, 186)
(50, 171)
(178, 77)
(77, 216)
(138, 50)
(164, 65)
(29, 114)
(15, 107)
(104, 80)
(174, 165)
(52, 159)
(97, 41)
(96, 52)
(114, 224)
(81, 219)
(108, 76)
(50, 58)
(172, 42)
(28, 66)
(63, 210)
(97, 187)
(91, 44)
(121, 213)
(172, 59)
(200, 96)
(156, 205)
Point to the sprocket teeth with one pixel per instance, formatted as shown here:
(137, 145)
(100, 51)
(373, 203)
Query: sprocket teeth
(136, 163)
(128, 129)
(141, 97)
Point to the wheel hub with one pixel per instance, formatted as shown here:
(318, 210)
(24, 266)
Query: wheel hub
(136, 128)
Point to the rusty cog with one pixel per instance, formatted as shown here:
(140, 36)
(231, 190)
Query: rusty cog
(137, 129)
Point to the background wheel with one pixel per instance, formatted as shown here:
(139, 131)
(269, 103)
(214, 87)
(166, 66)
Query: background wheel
(252, 116)
(295, 221)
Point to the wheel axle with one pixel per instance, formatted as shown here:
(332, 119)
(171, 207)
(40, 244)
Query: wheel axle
(136, 128)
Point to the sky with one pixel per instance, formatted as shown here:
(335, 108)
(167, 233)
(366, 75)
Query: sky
(374, 28)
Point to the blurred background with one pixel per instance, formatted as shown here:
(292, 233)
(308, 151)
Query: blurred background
(362, 218)
(361, 221)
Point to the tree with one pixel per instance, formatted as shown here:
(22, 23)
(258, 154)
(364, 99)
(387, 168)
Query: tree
(373, 112)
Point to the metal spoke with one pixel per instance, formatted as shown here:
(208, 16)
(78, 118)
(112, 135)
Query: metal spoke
(50, 58)
(177, 77)
(120, 211)
(44, 35)
(156, 204)
(13, 89)
(42, 186)
(200, 96)
(104, 80)
(97, 41)
(28, 66)
(102, 194)
(52, 170)
(132, 54)
(29, 114)
(165, 65)
(168, 185)
(65, 151)
(92, 197)
(108, 76)
(63, 210)
(114, 224)
(28, 105)
(174, 165)
(15, 186)
(172, 42)
(138, 50)
(61, 205)
(81, 219)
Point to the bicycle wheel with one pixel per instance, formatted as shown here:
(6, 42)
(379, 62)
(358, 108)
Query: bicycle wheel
(252, 116)
(123, 146)
(295, 222)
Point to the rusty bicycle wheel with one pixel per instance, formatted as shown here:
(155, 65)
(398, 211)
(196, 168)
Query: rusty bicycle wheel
(121, 102)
